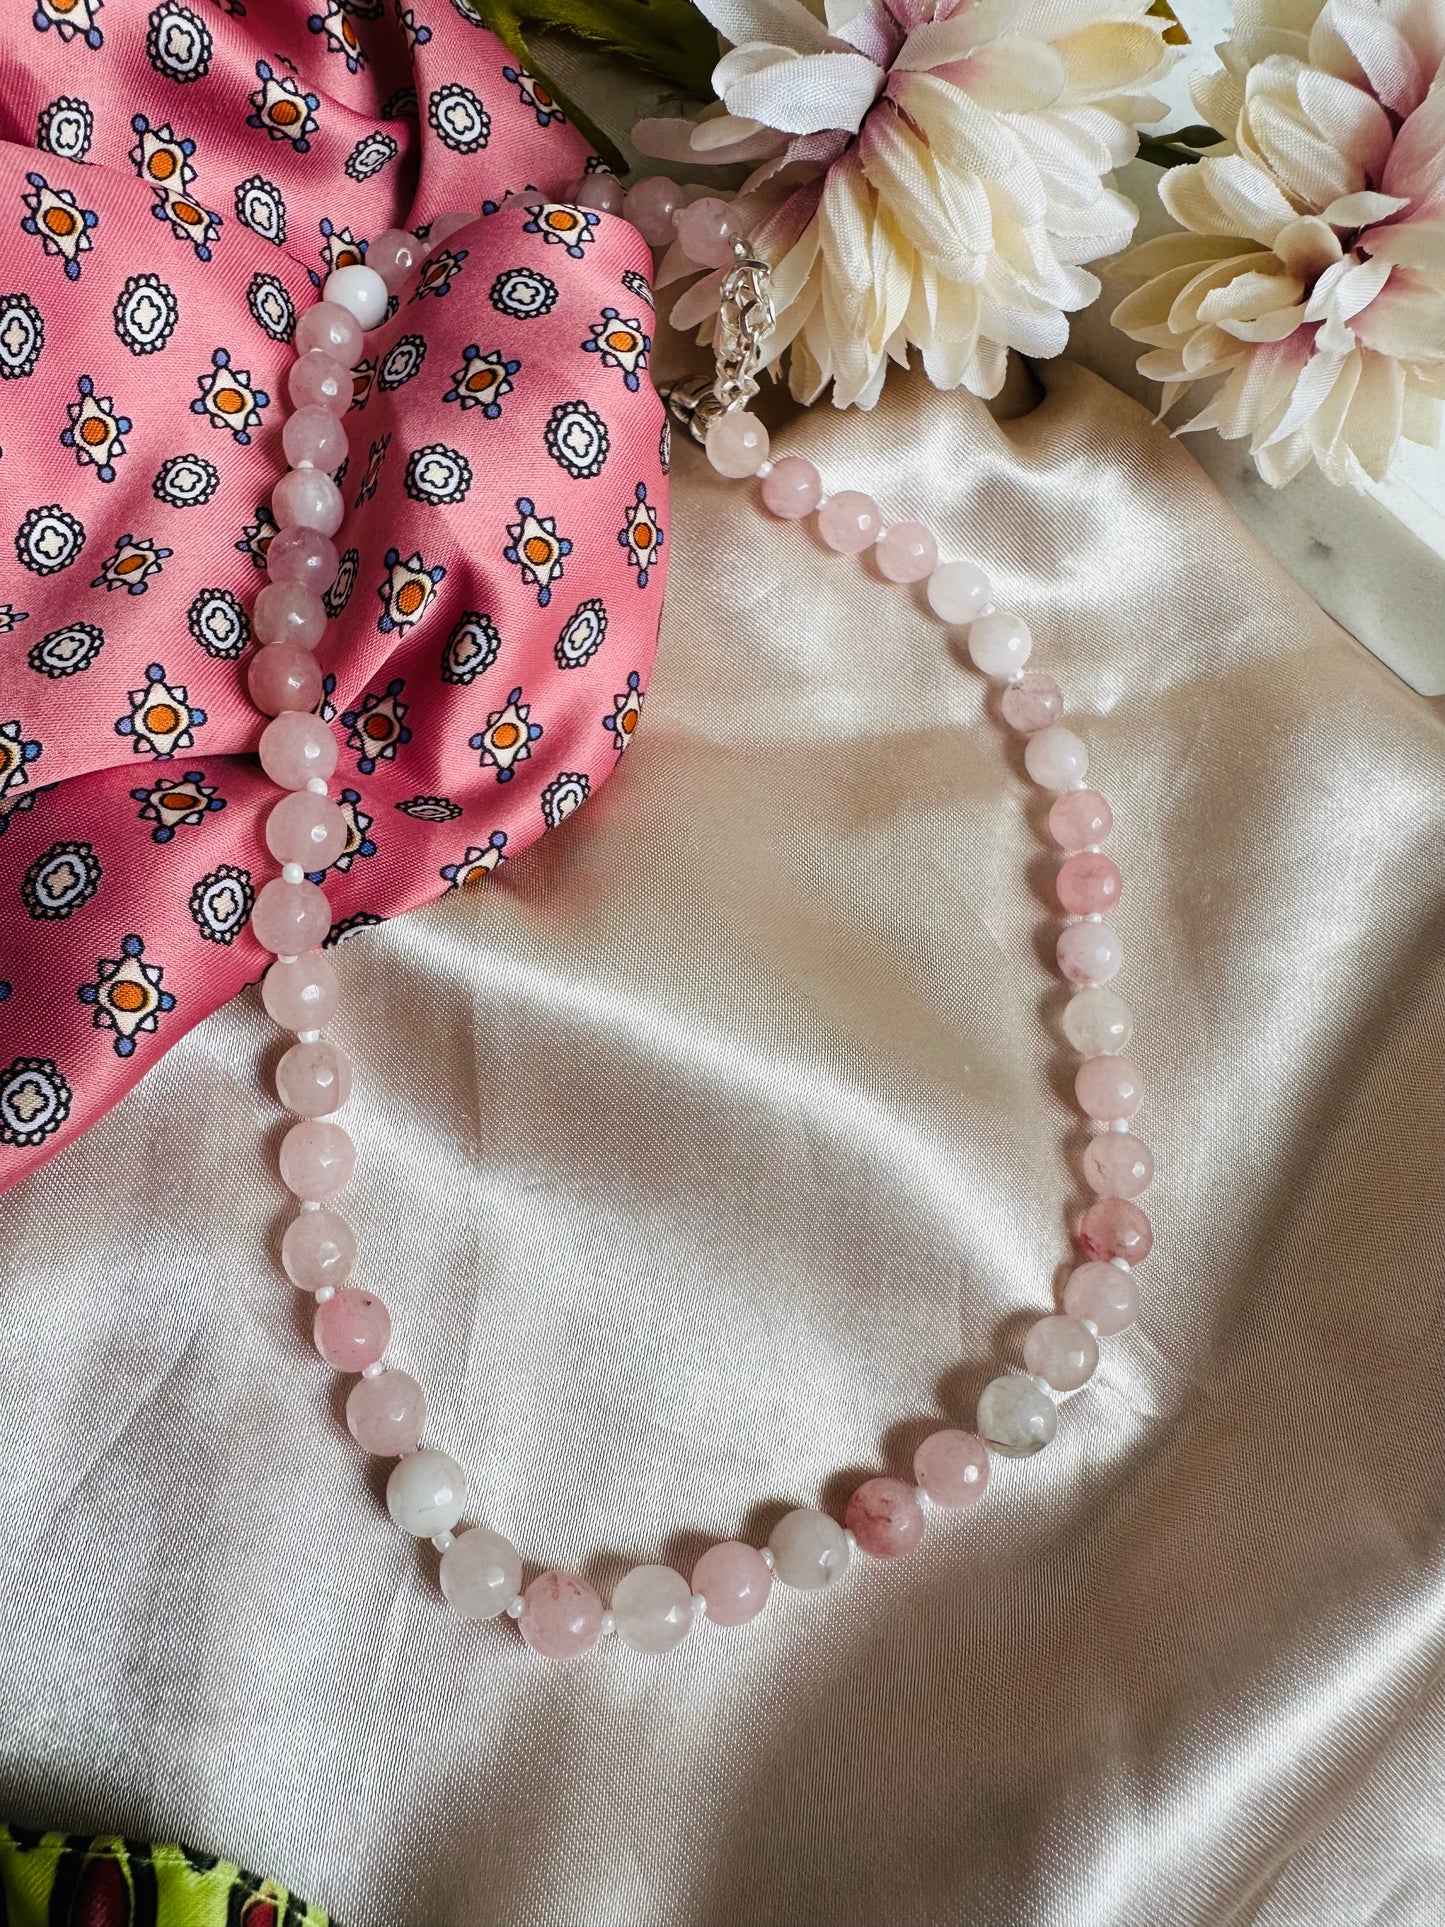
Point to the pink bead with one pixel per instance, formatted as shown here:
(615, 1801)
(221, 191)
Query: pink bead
(394, 253)
(1118, 1165)
(1103, 1293)
(329, 327)
(737, 444)
(386, 1414)
(1032, 703)
(849, 521)
(604, 192)
(1079, 818)
(706, 230)
(1062, 1352)
(1090, 953)
(351, 1330)
(906, 552)
(1088, 884)
(650, 205)
(295, 747)
(282, 677)
(952, 1468)
(313, 1080)
(319, 1248)
(1109, 1089)
(446, 225)
(561, 1616)
(303, 555)
(307, 498)
(1115, 1228)
(319, 380)
(884, 1516)
(317, 1159)
(290, 918)
(306, 829)
(302, 994)
(793, 489)
(314, 438)
(289, 611)
(735, 1580)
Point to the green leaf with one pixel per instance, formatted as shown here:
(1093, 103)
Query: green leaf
(1196, 136)
(1169, 153)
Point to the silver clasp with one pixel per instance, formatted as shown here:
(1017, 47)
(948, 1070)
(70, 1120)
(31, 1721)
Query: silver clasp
(746, 317)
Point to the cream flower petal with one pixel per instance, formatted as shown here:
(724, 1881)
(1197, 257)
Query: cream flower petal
(1362, 210)
(1350, 117)
(1308, 246)
(805, 93)
(1414, 244)
(1110, 57)
(1382, 52)
(781, 23)
(1372, 426)
(965, 132)
(1407, 321)
(1226, 196)
(1010, 75)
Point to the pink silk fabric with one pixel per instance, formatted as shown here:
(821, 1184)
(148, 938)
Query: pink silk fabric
(176, 183)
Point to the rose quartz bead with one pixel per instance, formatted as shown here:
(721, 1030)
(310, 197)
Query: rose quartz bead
(952, 1468)
(295, 747)
(1115, 1228)
(706, 230)
(1098, 1021)
(313, 1080)
(561, 1616)
(1090, 953)
(302, 994)
(849, 521)
(737, 444)
(1000, 644)
(1032, 703)
(1056, 758)
(385, 1416)
(1088, 884)
(351, 1330)
(290, 918)
(303, 555)
(481, 1572)
(1079, 818)
(735, 1580)
(884, 1516)
(906, 552)
(650, 205)
(1103, 1294)
(393, 254)
(1061, 1352)
(1108, 1088)
(281, 677)
(958, 591)
(793, 489)
(425, 1493)
(314, 438)
(809, 1549)
(306, 829)
(319, 1248)
(289, 611)
(604, 192)
(317, 1159)
(446, 225)
(319, 380)
(652, 1609)
(327, 326)
(307, 498)
(1118, 1165)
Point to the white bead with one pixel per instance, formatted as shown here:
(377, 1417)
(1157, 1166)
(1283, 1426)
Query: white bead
(811, 1549)
(763, 471)
(441, 1540)
(316, 785)
(309, 1204)
(326, 1291)
(958, 591)
(999, 645)
(699, 1606)
(517, 1607)
(308, 1036)
(281, 959)
(653, 1610)
(767, 1558)
(607, 1624)
(361, 291)
(292, 873)
(426, 1492)
(374, 1369)
(1056, 758)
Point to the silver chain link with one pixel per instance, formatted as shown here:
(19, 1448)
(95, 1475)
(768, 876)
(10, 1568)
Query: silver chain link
(746, 318)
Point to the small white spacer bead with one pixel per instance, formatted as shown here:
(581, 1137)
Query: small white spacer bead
(308, 1036)
(822, 503)
(285, 960)
(1043, 1385)
(306, 464)
(1090, 1327)
(699, 1606)
(767, 1557)
(852, 1542)
(374, 1369)
(1079, 783)
(316, 785)
(326, 1292)
(1121, 1264)
(609, 1624)
(441, 1540)
(1120, 1123)
(517, 1607)
(922, 1497)
(763, 471)
(1094, 916)
(292, 873)
(310, 1204)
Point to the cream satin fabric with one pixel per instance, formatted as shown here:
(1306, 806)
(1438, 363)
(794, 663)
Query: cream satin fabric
(720, 1145)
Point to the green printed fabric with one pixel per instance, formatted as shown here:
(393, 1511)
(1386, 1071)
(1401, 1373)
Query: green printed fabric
(71, 1880)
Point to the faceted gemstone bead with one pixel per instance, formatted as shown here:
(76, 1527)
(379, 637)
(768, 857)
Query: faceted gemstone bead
(1109, 1089)
(792, 489)
(561, 1616)
(735, 1580)
(290, 612)
(281, 677)
(393, 254)
(307, 498)
(1104, 1294)
(1116, 1228)
(809, 1549)
(958, 591)
(1090, 953)
(884, 1516)
(290, 917)
(302, 994)
(1015, 1417)
(305, 556)
(652, 1609)
(849, 521)
(351, 1330)
(481, 1572)
(737, 444)
(425, 1493)
(906, 552)
(1088, 884)
(1032, 703)
(446, 225)
(1079, 818)
(295, 747)
(328, 326)
(952, 1468)
(1098, 1021)
(1000, 644)
(385, 1414)
(1118, 1165)
(306, 829)
(361, 291)
(313, 1080)
(705, 230)
(319, 1248)
(317, 1159)
(604, 192)
(319, 380)
(650, 205)
(1056, 758)
(1062, 1352)
(314, 438)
